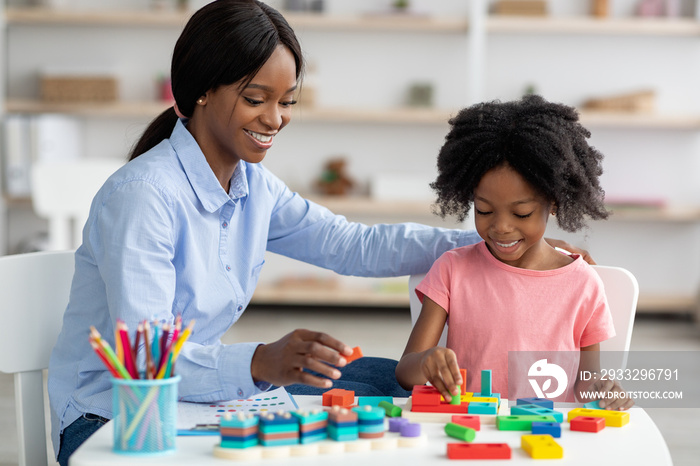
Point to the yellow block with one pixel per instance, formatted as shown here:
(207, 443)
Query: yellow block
(612, 418)
(465, 397)
(480, 399)
(541, 447)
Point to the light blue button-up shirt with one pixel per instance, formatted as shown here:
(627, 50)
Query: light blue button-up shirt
(163, 238)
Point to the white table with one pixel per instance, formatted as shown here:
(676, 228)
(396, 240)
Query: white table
(639, 442)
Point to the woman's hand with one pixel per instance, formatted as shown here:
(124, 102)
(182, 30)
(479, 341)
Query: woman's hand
(283, 361)
(561, 244)
(440, 368)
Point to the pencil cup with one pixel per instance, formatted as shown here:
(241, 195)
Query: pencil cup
(145, 415)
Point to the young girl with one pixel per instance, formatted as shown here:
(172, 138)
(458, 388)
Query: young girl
(518, 163)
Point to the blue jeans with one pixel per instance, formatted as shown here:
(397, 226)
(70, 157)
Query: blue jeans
(75, 434)
(366, 377)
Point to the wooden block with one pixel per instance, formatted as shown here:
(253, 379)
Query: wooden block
(551, 428)
(612, 418)
(478, 451)
(468, 421)
(541, 447)
(587, 424)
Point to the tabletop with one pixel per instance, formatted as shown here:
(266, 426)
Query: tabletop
(638, 442)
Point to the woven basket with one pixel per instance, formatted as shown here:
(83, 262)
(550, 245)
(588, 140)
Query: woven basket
(78, 88)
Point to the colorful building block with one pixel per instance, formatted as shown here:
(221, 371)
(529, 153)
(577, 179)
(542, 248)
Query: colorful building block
(551, 428)
(544, 402)
(442, 408)
(612, 418)
(312, 425)
(239, 431)
(486, 382)
(370, 421)
(356, 354)
(468, 421)
(541, 447)
(395, 423)
(521, 422)
(587, 424)
(391, 410)
(478, 451)
(459, 432)
(373, 400)
(457, 399)
(342, 424)
(425, 395)
(338, 397)
(537, 410)
(592, 405)
(278, 429)
(463, 387)
(410, 429)
(478, 407)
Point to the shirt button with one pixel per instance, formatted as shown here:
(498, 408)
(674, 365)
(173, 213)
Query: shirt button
(240, 392)
(240, 308)
(225, 224)
(228, 267)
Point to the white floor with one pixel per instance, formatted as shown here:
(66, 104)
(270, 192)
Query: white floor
(384, 333)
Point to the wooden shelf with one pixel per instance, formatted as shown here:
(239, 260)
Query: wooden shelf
(407, 115)
(594, 26)
(96, 17)
(148, 18)
(368, 22)
(120, 109)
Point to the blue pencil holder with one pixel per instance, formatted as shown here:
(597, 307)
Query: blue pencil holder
(145, 415)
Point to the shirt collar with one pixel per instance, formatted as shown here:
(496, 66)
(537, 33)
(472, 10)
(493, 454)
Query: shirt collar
(200, 175)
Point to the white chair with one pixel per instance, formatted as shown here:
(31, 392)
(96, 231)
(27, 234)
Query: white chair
(34, 291)
(62, 193)
(621, 289)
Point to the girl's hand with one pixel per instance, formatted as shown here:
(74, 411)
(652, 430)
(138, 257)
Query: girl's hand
(283, 362)
(558, 243)
(439, 366)
(615, 399)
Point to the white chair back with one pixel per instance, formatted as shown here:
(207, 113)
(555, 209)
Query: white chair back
(621, 289)
(34, 290)
(62, 194)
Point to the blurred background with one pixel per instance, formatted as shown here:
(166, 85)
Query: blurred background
(81, 79)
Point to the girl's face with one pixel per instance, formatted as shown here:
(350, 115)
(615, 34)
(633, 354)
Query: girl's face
(232, 124)
(511, 217)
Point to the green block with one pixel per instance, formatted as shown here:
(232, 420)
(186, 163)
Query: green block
(391, 409)
(522, 422)
(460, 432)
(457, 399)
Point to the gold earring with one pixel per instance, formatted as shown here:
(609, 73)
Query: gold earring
(200, 101)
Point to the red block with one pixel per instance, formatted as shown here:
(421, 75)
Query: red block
(587, 424)
(424, 395)
(356, 354)
(463, 373)
(338, 397)
(442, 408)
(478, 451)
(473, 422)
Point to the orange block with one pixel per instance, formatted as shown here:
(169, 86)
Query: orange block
(356, 354)
(338, 397)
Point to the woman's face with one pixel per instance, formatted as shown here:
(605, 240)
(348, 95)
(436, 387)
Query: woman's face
(511, 217)
(232, 124)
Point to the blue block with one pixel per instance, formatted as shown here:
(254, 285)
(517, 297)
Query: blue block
(342, 434)
(313, 436)
(232, 438)
(551, 428)
(592, 405)
(231, 442)
(279, 442)
(545, 403)
(481, 407)
(373, 400)
(486, 382)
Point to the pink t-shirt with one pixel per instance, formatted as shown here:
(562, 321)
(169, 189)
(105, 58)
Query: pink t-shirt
(494, 308)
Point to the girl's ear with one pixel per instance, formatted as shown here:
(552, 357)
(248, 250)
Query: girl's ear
(553, 209)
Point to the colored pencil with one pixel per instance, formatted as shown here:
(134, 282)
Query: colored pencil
(109, 353)
(104, 359)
